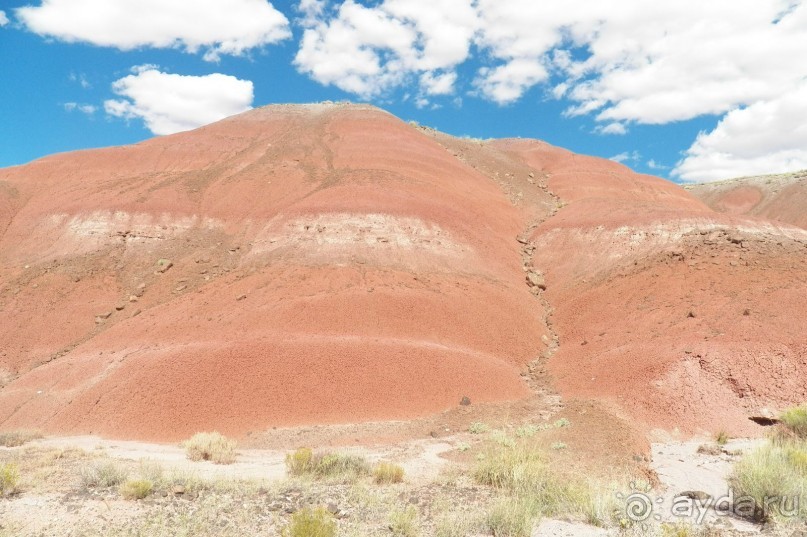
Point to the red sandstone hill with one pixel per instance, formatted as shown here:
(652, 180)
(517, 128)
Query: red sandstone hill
(330, 264)
(781, 197)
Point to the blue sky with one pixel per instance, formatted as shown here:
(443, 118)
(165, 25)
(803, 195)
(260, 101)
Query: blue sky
(687, 90)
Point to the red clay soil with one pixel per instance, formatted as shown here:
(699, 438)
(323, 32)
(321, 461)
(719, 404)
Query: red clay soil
(780, 197)
(684, 318)
(331, 264)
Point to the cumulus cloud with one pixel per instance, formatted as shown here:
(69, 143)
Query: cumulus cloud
(230, 27)
(88, 109)
(3, 18)
(626, 156)
(767, 137)
(611, 128)
(369, 50)
(616, 61)
(170, 103)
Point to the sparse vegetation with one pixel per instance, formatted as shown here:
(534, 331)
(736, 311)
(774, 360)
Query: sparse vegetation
(387, 472)
(102, 474)
(722, 438)
(18, 437)
(775, 474)
(136, 489)
(213, 447)
(795, 421)
(404, 522)
(562, 422)
(455, 525)
(304, 462)
(478, 427)
(559, 445)
(308, 522)
(513, 516)
(9, 478)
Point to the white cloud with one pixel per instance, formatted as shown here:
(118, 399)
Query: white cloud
(626, 156)
(650, 62)
(3, 18)
(170, 103)
(618, 61)
(369, 50)
(611, 128)
(217, 27)
(80, 79)
(766, 137)
(88, 109)
(506, 83)
(653, 165)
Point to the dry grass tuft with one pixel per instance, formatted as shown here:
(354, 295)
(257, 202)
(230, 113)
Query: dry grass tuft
(213, 447)
(18, 437)
(136, 489)
(387, 472)
(310, 522)
(102, 474)
(9, 478)
(404, 522)
(795, 420)
(304, 462)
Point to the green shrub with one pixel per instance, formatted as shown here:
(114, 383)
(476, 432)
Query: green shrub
(18, 438)
(404, 522)
(305, 462)
(102, 474)
(795, 420)
(212, 447)
(9, 478)
(309, 522)
(136, 489)
(387, 472)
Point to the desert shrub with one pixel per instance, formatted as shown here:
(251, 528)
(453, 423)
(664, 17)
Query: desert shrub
(455, 525)
(102, 474)
(404, 522)
(769, 472)
(513, 516)
(562, 422)
(305, 462)
(308, 522)
(301, 462)
(9, 478)
(525, 474)
(387, 472)
(795, 420)
(722, 438)
(136, 489)
(18, 438)
(797, 457)
(213, 447)
(478, 427)
(511, 469)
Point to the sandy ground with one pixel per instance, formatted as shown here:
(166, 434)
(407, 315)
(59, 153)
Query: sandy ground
(679, 466)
